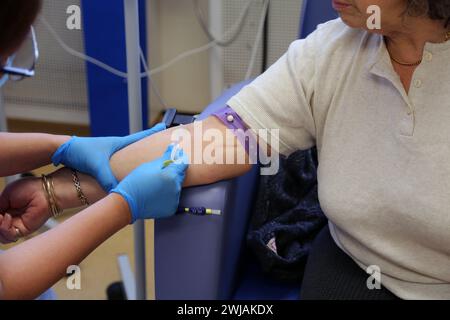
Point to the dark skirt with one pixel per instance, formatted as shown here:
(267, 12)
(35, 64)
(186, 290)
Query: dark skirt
(331, 274)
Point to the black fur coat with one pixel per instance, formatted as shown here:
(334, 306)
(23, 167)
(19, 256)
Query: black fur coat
(287, 216)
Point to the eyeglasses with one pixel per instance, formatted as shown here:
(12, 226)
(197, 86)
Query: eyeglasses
(22, 64)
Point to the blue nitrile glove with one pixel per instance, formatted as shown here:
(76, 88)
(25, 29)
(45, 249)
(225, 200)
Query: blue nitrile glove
(153, 189)
(92, 155)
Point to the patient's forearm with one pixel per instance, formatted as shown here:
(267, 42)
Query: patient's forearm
(154, 146)
(124, 161)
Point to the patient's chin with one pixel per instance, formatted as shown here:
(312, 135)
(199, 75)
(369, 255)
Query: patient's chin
(353, 22)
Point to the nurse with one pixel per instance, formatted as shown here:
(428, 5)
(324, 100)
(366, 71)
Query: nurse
(151, 190)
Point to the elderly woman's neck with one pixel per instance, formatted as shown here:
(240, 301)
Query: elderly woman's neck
(413, 35)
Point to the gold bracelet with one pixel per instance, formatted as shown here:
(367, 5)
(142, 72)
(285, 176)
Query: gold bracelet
(80, 193)
(47, 184)
(49, 189)
(47, 195)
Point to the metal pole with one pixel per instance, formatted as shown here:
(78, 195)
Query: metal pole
(135, 116)
(128, 278)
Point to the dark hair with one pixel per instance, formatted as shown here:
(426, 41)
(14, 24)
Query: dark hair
(435, 9)
(16, 18)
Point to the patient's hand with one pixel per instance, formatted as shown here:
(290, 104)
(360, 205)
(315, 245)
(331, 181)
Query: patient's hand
(26, 202)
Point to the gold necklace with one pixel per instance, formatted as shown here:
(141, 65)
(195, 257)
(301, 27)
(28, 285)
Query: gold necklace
(447, 37)
(407, 64)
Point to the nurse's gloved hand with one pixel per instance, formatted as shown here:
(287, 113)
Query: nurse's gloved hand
(153, 189)
(92, 155)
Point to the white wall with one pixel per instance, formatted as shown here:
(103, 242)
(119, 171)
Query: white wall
(173, 29)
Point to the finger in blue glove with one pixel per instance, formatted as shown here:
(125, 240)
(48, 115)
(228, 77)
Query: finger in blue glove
(92, 155)
(153, 189)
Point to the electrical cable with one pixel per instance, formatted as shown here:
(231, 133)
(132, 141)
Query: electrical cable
(205, 47)
(180, 57)
(101, 64)
(119, 73)
(152, 85)
(113, 70)
(80, 55)
(234, 30)
(238, 26)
